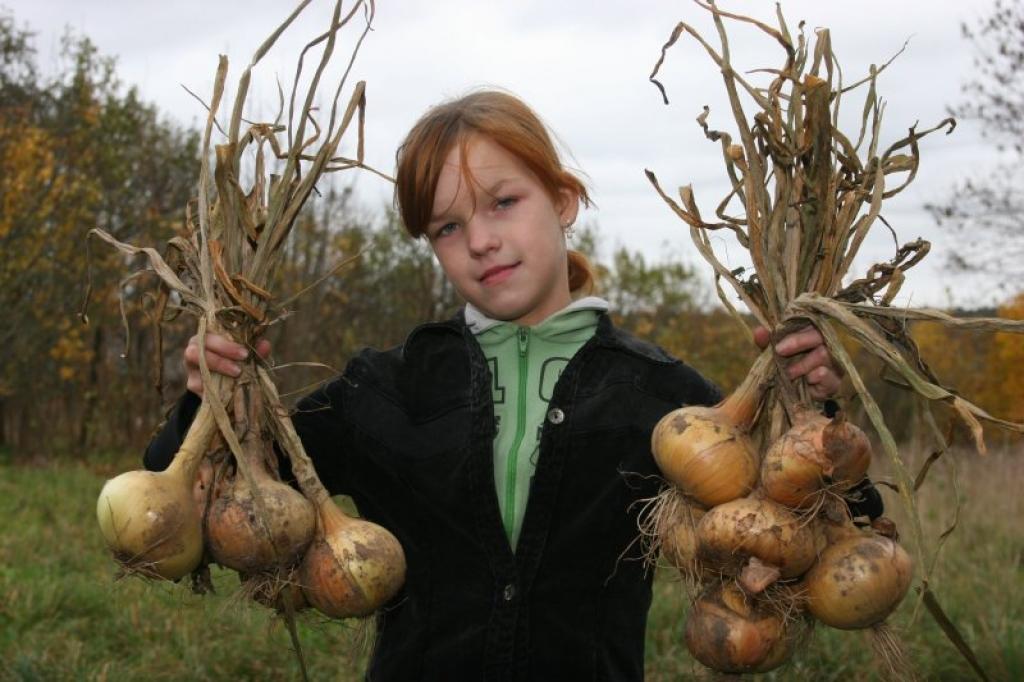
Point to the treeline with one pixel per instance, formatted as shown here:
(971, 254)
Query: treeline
(79, 151)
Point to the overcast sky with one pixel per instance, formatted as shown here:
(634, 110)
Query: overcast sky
(583, 65)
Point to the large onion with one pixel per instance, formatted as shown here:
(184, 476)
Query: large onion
(792, 472)
(732, 633)
(858, 581)
(249, 534)
(815, 453)
(705, 451)
(149, 519)
(731, 535)
(353, 567)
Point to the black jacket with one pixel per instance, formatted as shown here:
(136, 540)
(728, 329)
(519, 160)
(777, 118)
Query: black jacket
(408, 434)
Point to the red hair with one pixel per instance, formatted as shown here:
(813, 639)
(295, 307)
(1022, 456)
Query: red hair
(508, 122)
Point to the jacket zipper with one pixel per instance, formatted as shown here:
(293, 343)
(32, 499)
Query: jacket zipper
(511, 465)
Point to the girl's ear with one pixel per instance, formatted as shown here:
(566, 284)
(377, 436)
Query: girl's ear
(568, 207)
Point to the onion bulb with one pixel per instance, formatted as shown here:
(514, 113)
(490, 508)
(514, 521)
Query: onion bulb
(814, 453)
(705, 451)
(848, 450)
(858, 581)
(353, 567)
(249, 534)
(678, 540)
(149, 519)
(731, 633)
(731, 534)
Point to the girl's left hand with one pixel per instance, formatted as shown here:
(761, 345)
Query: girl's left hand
(811, 360)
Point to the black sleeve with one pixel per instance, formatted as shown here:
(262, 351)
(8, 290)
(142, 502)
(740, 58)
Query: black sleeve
(167, 441)
(864, 500)
(317, 419)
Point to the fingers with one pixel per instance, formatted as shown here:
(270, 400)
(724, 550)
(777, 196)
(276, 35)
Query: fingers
(223, 356)
(761, 337)
(815, 359)
(811, 361)
(823, 383)
(799, 341)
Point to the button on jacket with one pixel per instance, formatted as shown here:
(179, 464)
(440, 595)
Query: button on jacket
(409, 432)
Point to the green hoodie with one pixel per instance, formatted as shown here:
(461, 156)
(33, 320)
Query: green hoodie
(525, 364)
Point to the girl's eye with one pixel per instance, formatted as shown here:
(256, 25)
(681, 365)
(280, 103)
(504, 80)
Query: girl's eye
(505, 202)
(445, 230)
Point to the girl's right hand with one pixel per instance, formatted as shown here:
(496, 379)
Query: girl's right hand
(222, 357)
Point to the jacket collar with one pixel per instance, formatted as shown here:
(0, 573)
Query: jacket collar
(607, 335)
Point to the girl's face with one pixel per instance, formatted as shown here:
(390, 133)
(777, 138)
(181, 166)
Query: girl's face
(500, 236)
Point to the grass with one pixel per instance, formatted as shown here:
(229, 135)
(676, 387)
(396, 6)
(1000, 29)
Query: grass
(64, 617)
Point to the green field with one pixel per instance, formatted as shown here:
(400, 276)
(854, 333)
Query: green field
(63, 617)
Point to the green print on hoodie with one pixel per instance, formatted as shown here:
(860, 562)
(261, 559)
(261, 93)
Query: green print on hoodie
(525, 364)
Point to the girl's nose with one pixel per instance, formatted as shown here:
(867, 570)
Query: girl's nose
(482, 237)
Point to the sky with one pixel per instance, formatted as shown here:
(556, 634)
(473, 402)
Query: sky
(584, 66)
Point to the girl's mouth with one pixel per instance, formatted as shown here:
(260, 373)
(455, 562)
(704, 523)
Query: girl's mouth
(498, 274)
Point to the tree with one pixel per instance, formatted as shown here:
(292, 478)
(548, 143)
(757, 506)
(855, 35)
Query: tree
(78, 151)
(989, 212)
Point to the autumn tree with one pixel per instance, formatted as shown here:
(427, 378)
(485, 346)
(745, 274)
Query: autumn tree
(988, 212)
(78, 151)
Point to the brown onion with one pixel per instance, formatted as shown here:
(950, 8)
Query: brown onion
(730, 534)
(816, 452)
(705, 451)
(353, 567)
(848, 451)
(731, 633)
(858, 581)
(250, 535)
(792, 472)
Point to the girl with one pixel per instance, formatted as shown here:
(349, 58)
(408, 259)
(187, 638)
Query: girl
(504, 447)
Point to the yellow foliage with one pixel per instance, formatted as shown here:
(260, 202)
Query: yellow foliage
(1007, 361)
(71, 351)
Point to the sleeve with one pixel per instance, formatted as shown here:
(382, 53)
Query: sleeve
(318, 420)
(865, 500)
(167, 441)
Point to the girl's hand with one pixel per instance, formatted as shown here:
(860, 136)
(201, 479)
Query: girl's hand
(222, 357)
(811, 360)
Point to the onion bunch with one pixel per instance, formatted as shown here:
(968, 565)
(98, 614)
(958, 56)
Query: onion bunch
(290, 543)
(767, 473)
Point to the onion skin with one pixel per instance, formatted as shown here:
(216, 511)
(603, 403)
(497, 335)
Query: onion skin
(859, 580)
(710, 460)
(793, 469)
(149, 519)
(815, 453)
(150, 522)
(730, 634)
(705, 451)
(848, 450)
(353, 567)
(238, 540)
(679, 542)
(731, 533)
